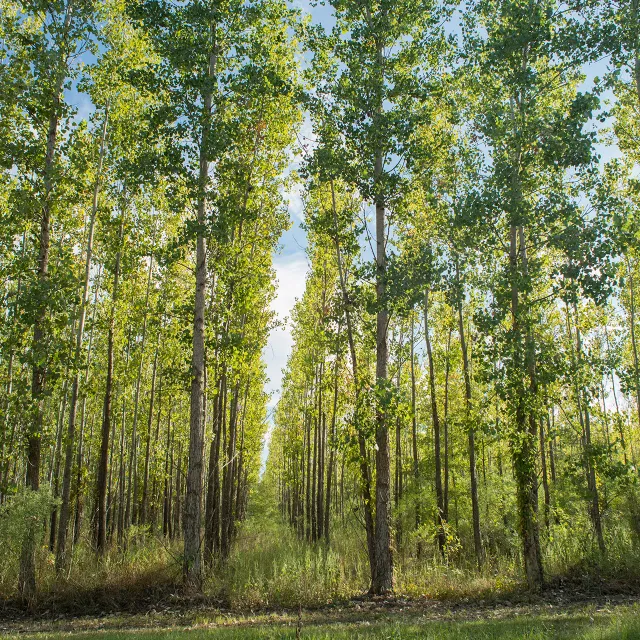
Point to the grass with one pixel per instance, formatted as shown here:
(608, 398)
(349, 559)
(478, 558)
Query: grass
(586, 623)
(135, 594)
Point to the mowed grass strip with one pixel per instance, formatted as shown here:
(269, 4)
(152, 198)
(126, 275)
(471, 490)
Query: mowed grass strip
(618, 623)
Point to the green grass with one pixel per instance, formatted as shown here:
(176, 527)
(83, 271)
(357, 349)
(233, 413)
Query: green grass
(619, 623)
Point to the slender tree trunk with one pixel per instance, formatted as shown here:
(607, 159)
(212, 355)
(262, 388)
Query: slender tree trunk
(414, 436)
(383, 577)
(552, 458)
(79, 489)
(436, 432)
(524, 449)
(446, 428)
(53, 527)
(122, 477)
(145, 481)
(166, 503)
(634, 344)
(585, 420)
(365, 471)
(332, 443)
(131, 511)
(228, 476)
(397, 490)
(65, 507)
(27, 575)
(101, 481)
(545, 478)
(473, 472)
(192, 568)
(322, 427)
(8, 445)
(314, 464)
(122, 471)
(212, 474)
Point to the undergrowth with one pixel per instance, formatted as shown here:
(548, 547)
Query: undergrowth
(270, 566)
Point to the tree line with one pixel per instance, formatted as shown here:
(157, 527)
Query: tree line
(137, 250)
(464, 380)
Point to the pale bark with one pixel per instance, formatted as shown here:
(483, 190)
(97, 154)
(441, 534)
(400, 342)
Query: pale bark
(192, 567)
(383, 577)
(101, 482)
(473, 472)
(27, 575)
(365, 471)
(131, 509)
(436, 432)
(147, 455)
(65, 507)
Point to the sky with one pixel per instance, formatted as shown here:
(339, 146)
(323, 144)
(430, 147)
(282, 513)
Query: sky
(290, 262)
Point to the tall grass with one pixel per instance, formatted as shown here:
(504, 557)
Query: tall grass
(270, 566)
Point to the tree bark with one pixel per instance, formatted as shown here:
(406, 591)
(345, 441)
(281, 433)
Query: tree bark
(383, 578)
(147, 455)
(585, 422)
(473, 472)
(436, 433)
(101, 481)
(65, 507)
(365, 471)
(332, 443)
(524, 449)
(192, 567)
(27, 575)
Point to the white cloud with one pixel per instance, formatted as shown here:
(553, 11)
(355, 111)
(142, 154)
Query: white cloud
(290, 273)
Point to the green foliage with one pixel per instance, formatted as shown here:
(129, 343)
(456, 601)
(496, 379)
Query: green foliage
(23, 512)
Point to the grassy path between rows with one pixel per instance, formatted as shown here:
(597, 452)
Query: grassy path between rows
(531, 622)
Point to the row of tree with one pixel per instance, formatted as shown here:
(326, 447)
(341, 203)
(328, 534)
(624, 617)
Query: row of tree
(486, 321)
(143, 149)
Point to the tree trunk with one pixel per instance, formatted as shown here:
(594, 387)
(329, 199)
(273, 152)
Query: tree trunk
(524, 449)
(147, 455)
(4, 458)
(397, 489)
(365, 471)
(228, 476)
(436, 432)
(585, 421)
(383, 578)
(545, 478)
(473, 472)
(65, 507)
(446, 428)
(332, 444)
(53, 527)
(634, 345)
(131, 511)
(414, 436)
(27, 575)
(101, 481)
(192, 568)
(212, 474)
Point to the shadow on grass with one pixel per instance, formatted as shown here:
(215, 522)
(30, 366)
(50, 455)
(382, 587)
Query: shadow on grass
(621, 623)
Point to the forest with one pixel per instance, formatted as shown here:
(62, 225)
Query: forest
(458, 420)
